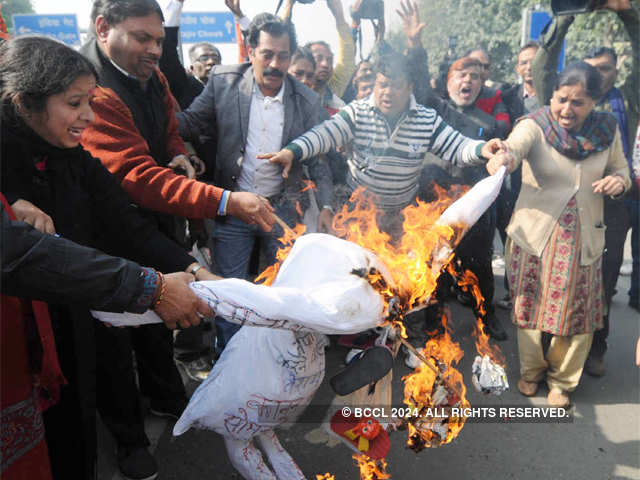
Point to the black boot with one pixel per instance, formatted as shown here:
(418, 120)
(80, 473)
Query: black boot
(493, 327)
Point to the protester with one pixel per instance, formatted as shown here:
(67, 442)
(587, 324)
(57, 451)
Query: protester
(556, 234)
(303, 66)
(203, 57)
(624, 104)
(364, 86)
(521, 98)
(364, 69)
(50, 181)
(463, 84)
(330, 81)
(135, 136)
(256, 108)
(490, 97)
(40, 266)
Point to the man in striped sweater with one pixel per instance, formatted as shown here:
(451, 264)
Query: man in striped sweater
(388, 135)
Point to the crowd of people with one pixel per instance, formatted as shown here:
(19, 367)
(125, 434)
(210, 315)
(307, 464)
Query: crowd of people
(126, 176)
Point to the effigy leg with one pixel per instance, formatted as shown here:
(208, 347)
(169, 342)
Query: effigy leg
(247, 460)
(284, 466)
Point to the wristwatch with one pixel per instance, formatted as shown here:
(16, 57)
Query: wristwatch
(195, 269)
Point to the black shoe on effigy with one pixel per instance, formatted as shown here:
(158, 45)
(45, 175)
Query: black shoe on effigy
(136, 463)
(494, 328)
(373, 364)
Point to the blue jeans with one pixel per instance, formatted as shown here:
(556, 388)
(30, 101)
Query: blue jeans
(233, 241)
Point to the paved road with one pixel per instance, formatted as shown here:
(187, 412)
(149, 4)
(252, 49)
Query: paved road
(603, 442)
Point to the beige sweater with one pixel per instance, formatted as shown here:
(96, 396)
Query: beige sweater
(549, 180)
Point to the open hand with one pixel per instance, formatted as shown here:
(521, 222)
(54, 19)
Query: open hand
(27, 212)
(413, 28)
(284, 157)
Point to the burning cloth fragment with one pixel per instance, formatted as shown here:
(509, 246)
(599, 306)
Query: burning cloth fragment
(488, 376)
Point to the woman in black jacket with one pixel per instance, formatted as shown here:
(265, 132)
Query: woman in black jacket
(49, 180)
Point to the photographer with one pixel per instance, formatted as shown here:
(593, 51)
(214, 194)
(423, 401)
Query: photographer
(624, 104)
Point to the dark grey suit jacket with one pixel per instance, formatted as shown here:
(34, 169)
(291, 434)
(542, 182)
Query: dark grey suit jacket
(222, 109)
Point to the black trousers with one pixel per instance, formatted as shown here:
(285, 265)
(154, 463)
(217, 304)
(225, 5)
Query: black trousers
(70, 425)
(617, 218)
(118, 399)
(505, 204)
(475, 252)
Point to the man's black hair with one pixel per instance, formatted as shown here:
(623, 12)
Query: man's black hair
(303, 53)
(274, 26)
(530, 44)
(117, 11)
(393, 66)
(600, 51)
(318, 42)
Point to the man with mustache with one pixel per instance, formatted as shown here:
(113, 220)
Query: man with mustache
(135, 136)
(252, 109)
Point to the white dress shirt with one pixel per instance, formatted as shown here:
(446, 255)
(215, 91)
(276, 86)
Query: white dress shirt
(266, 120)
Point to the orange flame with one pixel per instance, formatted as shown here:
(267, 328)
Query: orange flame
(407, 259)
(326, 476)
(468, 281)
(299, 209)
(429, 394)
(371, 469)
(268, 275)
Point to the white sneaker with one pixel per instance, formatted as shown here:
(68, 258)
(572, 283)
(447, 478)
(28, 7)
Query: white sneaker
(410, 359)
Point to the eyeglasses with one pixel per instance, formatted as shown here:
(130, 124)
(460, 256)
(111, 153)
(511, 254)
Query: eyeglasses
(206, 57)
(485, 66)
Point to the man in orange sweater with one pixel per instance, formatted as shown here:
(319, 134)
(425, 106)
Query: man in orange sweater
(135, 136)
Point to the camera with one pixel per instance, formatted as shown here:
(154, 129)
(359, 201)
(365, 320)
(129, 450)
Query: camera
(569, 7)
(369, 10)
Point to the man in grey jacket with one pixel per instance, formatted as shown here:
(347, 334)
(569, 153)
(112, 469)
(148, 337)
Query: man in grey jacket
(254, 109)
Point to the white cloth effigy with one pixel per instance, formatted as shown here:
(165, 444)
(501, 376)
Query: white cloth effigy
(266, 377)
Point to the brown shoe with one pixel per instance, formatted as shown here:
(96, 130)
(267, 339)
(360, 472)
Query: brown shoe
(558, 398)
(594, 366)
(528, 389)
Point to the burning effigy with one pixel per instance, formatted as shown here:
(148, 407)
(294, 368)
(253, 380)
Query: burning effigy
(270, 370)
